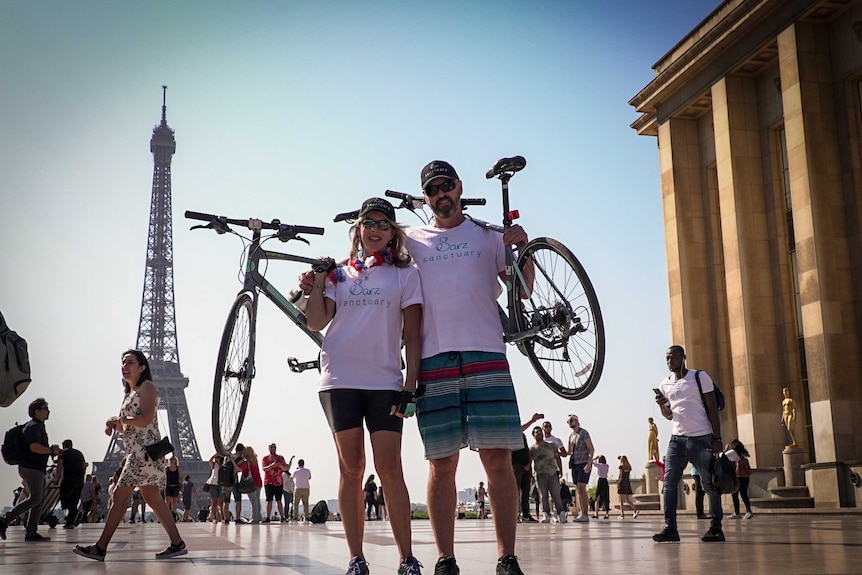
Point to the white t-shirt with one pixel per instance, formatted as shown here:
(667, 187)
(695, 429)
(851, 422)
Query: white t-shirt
(362, 346)
(689, 414)
(460, 283)
(302, 478)
(558, 443)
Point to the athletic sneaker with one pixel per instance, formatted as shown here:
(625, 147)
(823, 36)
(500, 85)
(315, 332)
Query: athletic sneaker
(637, 512)
(90, 552)
(713, 534)
(357, 566)
(563, 517)
(748, 515)
(582, 519)
(546, 518)
(173, 550)
(666, 535)
(446, 566)
(734, 516)
(410, 566)
(508, 565)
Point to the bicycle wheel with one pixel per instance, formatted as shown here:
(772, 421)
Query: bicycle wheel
(233, 375)
(568, 350)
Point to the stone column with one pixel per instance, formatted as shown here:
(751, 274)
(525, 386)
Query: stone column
(750, 283)
(821, 232)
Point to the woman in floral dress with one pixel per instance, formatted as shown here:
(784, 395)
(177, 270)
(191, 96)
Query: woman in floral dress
(139, 427)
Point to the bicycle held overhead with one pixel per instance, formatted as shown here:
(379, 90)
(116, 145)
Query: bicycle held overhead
(235, 367)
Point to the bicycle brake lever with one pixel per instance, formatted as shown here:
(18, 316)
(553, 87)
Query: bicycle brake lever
(213, 225)
(303, 240)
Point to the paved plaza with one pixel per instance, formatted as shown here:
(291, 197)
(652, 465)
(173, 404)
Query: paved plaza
(810, 543)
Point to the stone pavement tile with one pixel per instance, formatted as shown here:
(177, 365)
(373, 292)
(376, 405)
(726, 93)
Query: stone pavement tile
(786, 544)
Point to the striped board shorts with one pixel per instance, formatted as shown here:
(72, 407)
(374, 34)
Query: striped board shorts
(467, 399)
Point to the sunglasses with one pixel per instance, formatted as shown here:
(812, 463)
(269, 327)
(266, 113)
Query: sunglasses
(370, 224)
(433, 190)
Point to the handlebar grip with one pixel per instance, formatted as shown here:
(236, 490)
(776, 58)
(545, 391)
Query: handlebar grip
(346, 216)
(403, 196)
(309, 230)
(200, 216)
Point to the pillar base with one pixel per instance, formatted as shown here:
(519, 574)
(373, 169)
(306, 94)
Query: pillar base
(794, 459)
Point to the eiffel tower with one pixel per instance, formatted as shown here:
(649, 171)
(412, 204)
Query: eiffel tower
(157, 332)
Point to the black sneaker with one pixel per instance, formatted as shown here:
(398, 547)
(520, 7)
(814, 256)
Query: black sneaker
(666, 535)
(410, 566)
(357, 566)
(508, 565)
(714, 534)
(90, 552)
(36, 537)
(446, 566)
(173, 550)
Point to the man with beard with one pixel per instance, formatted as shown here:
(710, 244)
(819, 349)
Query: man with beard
(465, 396)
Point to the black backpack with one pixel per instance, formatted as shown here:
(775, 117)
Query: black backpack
(719, 397)
(226, 474)
(14, 365)
(13, 445)
(319, 513)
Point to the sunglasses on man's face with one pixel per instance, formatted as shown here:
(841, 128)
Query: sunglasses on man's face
(370, 224)
(433, 189)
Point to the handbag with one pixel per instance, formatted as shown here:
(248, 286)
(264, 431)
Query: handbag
(246, 485)
(206, 488)
(159, 449)
(724, 475)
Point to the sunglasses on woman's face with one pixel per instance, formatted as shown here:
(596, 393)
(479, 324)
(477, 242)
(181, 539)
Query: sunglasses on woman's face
(433, 190)
(370, 224)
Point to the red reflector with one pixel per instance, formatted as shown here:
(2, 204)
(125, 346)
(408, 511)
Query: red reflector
(514, 215)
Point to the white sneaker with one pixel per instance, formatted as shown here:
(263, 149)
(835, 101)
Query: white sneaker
(734, 516)
(582, 519)
(562, 517)
(546, 518)
(637, 512)
(747, 515)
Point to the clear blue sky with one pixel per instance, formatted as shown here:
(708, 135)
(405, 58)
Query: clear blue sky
(300, 110)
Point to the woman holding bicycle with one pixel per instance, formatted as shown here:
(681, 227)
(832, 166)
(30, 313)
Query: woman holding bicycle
(367, 304)
(138, 424)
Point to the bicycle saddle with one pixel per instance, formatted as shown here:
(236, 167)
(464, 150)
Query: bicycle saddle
(504, 165)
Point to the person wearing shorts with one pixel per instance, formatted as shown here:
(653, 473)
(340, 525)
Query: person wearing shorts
(273, 466)
(465, 397)
(367, 305)
(580, 452)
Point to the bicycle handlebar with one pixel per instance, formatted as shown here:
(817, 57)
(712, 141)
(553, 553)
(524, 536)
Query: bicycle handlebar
(283, 229)
(407, 198)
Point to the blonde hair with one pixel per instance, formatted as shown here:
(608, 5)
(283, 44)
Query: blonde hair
(624, 463)
(248, 453)
(397, 245)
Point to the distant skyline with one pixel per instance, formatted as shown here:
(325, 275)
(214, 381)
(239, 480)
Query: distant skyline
(299, 111)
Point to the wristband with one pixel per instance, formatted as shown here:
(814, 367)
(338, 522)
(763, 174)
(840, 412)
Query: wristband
(406, 403)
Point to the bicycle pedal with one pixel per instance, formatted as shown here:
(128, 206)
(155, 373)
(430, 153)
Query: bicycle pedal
(297, 366)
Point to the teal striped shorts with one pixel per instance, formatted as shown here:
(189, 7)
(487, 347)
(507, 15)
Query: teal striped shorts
(467, 399)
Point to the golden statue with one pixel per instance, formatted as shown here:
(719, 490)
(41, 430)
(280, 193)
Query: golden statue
(652, 441)
(788, 417)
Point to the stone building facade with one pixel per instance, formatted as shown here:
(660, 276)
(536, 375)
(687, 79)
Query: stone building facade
(758, 116)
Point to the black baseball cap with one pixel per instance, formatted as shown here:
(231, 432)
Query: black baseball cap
(380, 205)
(438, 169)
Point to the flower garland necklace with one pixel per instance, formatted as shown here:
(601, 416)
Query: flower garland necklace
(362, 264)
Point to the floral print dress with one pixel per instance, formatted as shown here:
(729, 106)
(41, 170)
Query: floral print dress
(140, 469)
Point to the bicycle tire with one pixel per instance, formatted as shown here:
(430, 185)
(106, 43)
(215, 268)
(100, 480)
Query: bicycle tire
(233, 375)
(568, 352)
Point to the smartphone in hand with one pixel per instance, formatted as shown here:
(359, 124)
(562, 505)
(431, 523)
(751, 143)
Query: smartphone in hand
(657, 391)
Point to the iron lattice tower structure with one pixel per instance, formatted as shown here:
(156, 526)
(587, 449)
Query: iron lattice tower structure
(157, 332)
